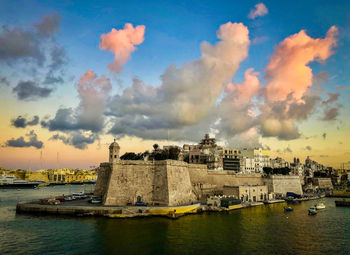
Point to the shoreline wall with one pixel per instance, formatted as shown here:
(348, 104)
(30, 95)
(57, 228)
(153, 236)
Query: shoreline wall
(172, 182)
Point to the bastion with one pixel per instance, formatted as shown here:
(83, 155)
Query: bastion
(173, 182)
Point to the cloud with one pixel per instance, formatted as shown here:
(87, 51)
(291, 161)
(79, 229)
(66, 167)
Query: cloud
(287, 72)
(236, 109)
(324, 135)
(332, 97)
(278, 118)
(16, 43)
(187, 94)
(34, 54)
(88, 116)
(22, 122)
(287, 93)
(30, 90)
(4, 80)
(76, 139)
(122, 43)
(308, 147)
(287, 150)
(20, 142)
(49, 24)
(258, 10)
(331, 113)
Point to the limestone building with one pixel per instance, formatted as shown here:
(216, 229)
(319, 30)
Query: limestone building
(247, 193)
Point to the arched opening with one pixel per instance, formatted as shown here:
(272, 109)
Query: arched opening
(139, 199)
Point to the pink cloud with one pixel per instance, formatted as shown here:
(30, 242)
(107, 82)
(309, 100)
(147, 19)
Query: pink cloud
(259, 10)
(287, 72)
(246, 90)
(122, 43)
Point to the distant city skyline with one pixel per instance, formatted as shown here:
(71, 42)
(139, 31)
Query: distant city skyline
(75, 75)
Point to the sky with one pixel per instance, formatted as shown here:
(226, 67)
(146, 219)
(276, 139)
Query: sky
(74, 75)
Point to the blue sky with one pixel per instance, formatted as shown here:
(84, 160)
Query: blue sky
(173, 35)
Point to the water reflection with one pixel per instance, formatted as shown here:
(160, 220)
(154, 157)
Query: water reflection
(257, 230)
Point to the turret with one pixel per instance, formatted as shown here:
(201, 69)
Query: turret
(114, 149)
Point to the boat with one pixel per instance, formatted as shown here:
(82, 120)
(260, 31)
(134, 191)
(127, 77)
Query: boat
(320, 206)
(170, 211)
(11, 182)
(288, 209)
(312, 211)
(342, 202)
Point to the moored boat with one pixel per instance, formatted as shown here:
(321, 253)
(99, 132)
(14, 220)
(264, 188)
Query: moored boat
(288, 209)
(320, 206)
(312, 211)
(11, 182)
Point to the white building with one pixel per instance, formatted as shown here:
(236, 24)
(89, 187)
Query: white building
(248, 165)
(261, 158)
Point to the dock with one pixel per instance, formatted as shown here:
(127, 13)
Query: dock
(83, 208)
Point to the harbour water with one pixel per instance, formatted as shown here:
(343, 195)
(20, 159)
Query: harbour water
(259, 230)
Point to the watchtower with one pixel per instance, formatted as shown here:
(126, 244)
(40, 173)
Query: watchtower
(114, 149)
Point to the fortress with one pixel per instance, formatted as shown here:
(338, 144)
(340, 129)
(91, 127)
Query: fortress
(172, 182)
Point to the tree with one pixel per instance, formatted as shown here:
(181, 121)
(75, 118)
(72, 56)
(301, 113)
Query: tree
(155, 146)
(267, 170)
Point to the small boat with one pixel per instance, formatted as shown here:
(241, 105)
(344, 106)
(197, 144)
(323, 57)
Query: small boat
(288, 209)
(312, 211)
(320, 206)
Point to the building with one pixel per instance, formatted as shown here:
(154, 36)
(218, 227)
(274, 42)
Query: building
(248, 193)
(297, 168)
(279, 163)
(261, 158)
(248, 165)
(206, 152)
(312, 166)
(232, 159)
(65, 175)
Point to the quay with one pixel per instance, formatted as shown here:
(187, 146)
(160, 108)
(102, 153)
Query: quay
(82, 208)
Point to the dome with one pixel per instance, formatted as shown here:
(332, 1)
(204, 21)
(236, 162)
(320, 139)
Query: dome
(114, 145)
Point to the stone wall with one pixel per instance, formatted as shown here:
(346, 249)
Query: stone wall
(156, 183)
(220, 178)
(323, 183)
(130, 180)
(211, 182)
(179, 183)
(281, 184)
(102, 181)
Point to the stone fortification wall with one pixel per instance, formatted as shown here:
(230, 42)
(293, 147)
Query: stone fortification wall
(220, 178)
(102, 180)
(179, 183)
(281, 184)
(156, 183)
(323, 183)
(211, 182)
(132, 179)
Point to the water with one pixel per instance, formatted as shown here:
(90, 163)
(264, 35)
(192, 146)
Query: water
(258, 230)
